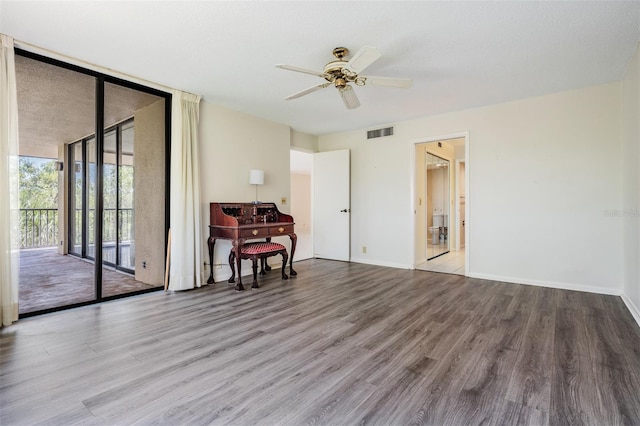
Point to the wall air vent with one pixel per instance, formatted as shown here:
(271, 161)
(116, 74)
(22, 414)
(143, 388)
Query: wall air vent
(378, 133)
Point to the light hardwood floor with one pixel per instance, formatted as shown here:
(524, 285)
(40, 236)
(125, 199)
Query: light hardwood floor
(342, 343)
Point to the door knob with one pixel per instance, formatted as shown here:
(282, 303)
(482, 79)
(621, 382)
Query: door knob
(344, 211)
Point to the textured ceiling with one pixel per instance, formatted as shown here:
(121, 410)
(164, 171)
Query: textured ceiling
(459, 54)
(57, 106)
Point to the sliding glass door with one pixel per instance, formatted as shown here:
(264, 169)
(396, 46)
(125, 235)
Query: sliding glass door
(107, 141)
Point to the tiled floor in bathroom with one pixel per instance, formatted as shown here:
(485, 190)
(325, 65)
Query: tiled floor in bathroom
(450, 263)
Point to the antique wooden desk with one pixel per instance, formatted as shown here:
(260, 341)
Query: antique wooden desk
(240, 222)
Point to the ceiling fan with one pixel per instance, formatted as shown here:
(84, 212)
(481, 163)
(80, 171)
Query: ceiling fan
(340, 72)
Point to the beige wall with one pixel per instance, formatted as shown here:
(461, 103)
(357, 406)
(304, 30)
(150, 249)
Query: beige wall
(304, 141)
(542, 174)
(149, 187)
(231, 144)
(630, 101)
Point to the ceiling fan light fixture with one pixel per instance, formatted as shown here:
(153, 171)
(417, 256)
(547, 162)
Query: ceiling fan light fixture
(341, 72)
(349, 97)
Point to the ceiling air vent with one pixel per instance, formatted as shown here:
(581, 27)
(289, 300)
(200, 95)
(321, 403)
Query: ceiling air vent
(378, 133)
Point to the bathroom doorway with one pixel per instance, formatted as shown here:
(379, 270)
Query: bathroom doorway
(440, 232)
(437, 199)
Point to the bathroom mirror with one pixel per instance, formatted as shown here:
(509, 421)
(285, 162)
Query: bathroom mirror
(437, 185)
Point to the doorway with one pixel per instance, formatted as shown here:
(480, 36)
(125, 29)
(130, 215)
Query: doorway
(301, 169)
(440, 242)
(437, 196)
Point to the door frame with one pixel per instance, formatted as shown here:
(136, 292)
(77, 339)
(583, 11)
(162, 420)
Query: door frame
(457, 202)
(412, 186)
(310, 236)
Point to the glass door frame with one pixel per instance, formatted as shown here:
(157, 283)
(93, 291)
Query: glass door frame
(117, 129)
(100, 80)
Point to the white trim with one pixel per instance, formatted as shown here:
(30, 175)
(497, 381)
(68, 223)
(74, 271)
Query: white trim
(457, 201)
(550, 284)
(467, 189)
(378, 263)
(635, 312)
(301, 149)
(419, 261)
(90, 66)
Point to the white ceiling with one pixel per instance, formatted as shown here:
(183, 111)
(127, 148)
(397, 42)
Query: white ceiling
(459, 54)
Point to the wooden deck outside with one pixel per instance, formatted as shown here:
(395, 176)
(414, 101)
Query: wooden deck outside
(49, 280)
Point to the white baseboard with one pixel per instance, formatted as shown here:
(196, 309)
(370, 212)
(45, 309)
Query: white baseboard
(551, 284)
(635, 312)
(419, 261)
(378, 263)
(224, 273)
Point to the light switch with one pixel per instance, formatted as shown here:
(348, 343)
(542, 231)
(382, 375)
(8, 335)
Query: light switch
(283, 200)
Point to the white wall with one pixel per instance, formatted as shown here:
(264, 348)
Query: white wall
(630, 97)
(231, 144)
(379, 197)
(543, 174)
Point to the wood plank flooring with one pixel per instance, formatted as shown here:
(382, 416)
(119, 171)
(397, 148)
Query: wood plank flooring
(342, 343)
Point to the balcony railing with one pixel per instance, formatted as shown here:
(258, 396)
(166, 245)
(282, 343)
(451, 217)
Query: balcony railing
(39, 227)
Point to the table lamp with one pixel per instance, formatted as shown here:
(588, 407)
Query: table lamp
(256, 177)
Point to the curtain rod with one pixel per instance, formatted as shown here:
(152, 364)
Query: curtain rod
(98, 68)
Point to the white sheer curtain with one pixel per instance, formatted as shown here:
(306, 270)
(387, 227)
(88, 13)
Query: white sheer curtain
(8, 184)
(185, 270)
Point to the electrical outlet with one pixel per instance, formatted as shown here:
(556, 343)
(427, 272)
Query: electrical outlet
(364, 249)
(283, 201)
(144, 264)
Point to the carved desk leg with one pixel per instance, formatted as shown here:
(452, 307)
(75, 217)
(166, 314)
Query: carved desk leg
(211, 242)
(232, 265)
(284, 264)
(294, 240)
(237, 246)
(265, 266)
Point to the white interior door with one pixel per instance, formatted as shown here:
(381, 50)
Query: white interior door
(331, 205)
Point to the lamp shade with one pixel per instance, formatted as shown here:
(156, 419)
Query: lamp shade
(256, 177)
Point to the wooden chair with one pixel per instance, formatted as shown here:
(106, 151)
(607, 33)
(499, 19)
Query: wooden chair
(257, 251)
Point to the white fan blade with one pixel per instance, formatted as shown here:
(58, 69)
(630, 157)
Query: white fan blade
(349, 97)
(307, 91)
(365, 57)
(389, 81)
(298, 69)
